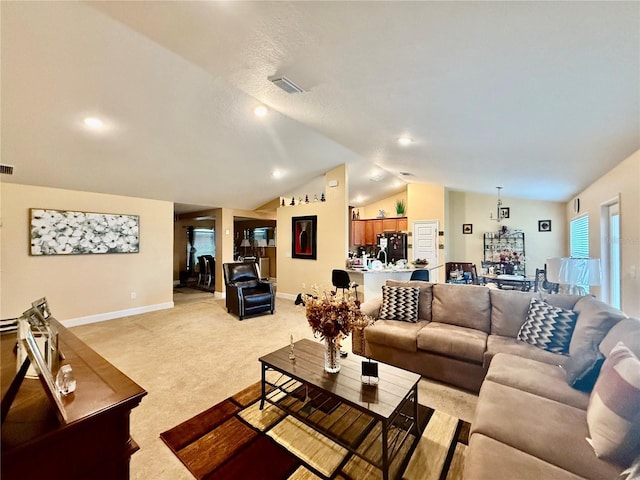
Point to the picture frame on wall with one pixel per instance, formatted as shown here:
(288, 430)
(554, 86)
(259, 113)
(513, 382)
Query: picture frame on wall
(66, 232)
(467, 228)
(504, 212)
(304, 237)
(544, 225)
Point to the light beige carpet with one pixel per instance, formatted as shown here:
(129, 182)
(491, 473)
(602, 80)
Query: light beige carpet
(196, 355)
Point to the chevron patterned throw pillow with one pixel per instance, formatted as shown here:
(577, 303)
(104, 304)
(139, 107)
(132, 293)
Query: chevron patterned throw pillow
(548, 327)
(399, 303)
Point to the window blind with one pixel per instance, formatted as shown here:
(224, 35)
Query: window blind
(579, 237)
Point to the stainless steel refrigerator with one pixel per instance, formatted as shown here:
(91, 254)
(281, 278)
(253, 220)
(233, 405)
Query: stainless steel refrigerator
(396, 245)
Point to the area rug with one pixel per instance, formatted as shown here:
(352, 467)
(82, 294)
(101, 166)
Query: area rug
(236, 440)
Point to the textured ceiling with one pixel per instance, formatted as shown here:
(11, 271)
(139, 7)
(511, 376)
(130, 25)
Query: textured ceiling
(539, 97)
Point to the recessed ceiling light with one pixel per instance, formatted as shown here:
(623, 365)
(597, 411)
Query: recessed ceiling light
(260, 111)
(376, 176)
(93, 122)
(276, 174)
(404, 141)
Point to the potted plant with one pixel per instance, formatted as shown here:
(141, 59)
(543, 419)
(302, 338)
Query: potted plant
(400, 207)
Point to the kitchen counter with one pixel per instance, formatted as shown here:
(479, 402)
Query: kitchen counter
(371, 281)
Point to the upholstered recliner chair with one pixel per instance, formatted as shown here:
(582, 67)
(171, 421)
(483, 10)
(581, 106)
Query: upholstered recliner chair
(245, 293)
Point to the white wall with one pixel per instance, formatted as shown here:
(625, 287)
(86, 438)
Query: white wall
(84, 287)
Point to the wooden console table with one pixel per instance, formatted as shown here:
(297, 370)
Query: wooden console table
(95, 442)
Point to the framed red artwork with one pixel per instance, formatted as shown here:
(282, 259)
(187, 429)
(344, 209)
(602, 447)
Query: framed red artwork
(304, 236)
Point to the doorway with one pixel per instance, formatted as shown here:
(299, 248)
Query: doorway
(610, 215)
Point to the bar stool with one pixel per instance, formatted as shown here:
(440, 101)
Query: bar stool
(340, 280)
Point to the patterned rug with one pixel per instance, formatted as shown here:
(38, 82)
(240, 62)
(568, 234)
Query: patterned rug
(236, 440)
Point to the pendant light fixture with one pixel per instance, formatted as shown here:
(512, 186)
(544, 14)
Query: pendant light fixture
(499, 212)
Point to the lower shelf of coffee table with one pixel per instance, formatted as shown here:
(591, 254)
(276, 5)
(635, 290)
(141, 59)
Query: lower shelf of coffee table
(354, 429)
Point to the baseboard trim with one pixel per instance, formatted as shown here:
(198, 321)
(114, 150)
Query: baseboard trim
(101, 317)
(286, 296)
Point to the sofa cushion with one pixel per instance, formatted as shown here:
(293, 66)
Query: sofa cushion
(399, 303)
(497, 344)
(453, 341)
(546, 429)
(595, 319)
(548, 327)
(535, 377)
(627, 330)
(395, 334)
(464, 305)
(582, 368)
(425, 299)
(614, 408)
(371, 307)
(509, 308)
(490, 459)
(508, 311)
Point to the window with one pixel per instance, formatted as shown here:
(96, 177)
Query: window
(579, 240)
(204, 243)
(579, 237)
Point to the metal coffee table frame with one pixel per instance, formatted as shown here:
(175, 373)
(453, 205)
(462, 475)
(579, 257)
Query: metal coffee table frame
(397, 412)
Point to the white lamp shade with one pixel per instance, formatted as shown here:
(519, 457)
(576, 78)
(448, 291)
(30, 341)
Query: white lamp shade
(262, 242)
(553, 269)
(245, 243)
(272, 242)
(574, 271)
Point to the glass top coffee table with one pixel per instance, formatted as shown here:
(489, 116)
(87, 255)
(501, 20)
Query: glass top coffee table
(341, 407)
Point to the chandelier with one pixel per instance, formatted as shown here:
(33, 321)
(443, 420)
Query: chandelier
(500, 214)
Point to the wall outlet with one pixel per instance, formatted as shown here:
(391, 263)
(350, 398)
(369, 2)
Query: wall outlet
(133, 295)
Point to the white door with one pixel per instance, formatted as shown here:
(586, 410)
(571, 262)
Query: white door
(425, 240)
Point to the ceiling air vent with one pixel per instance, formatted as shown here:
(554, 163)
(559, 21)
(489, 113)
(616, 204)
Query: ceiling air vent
(6, 169)
(285, 84)
(406, 174)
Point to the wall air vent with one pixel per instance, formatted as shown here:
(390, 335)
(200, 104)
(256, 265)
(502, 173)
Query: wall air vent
(285, 84)
(6, 169)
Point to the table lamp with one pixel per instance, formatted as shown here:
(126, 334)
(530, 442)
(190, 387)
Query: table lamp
(576, 273)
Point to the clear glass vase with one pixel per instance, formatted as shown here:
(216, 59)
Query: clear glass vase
(331, 355)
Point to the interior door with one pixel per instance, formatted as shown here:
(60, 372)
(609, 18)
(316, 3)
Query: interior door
(425, 241)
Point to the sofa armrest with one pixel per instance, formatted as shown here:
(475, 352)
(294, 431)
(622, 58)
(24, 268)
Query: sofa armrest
(371, 307)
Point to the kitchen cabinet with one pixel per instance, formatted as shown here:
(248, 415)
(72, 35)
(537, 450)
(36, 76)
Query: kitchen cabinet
(365, 232)
(357, 232)
(389, 225)
(369, 233)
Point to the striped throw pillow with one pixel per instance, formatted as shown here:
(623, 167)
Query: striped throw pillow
(613, 414)
(399, 303)
(548, 327)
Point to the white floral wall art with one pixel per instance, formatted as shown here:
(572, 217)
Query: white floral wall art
(60, 232)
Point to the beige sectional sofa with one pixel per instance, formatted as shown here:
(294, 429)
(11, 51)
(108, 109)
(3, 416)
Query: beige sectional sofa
(529, 423)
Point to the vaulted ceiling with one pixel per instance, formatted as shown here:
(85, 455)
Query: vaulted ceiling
(541, 98)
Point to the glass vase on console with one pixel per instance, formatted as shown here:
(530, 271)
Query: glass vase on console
(331, 355)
